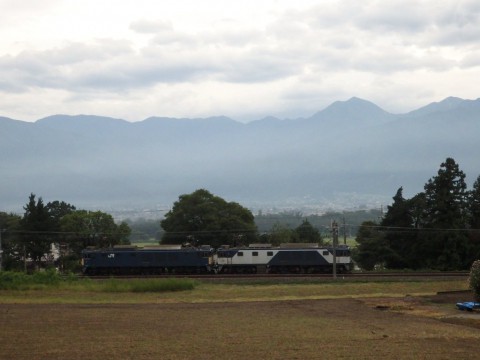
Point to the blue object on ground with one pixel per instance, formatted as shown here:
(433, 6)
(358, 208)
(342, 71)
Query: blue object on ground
(469, 306)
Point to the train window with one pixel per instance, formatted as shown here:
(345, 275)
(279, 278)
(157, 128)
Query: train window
(240, 253)
(326, 252)
(255, 253)
(269, 253)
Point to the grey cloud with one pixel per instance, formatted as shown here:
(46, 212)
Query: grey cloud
(56, 68)
(322, 39)
(256, 70)
(168, 38)
(460, 14)
(124, 77)
(471, 60)
(394, 18)
(145, 26)
(457, 36)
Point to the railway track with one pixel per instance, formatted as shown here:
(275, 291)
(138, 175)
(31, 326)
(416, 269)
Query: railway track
(358, 276)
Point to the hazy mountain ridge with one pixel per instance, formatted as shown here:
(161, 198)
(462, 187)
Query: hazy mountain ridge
(351, 147)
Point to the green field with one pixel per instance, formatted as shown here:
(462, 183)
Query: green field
(51, 288)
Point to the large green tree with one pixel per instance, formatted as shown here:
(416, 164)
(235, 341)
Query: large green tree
(203, 218)
(372, 249)
(279, 234)
(446, 197)
(36, 230)
(57, 210)
(9, 250)
(474, 205)
(400, 237)
(306, 233)
(474, 222)
(84, 228)
(445, 244)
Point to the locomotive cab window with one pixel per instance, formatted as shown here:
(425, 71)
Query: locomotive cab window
(240, 253)
(255, 253)
(326, 252)
(269, 253)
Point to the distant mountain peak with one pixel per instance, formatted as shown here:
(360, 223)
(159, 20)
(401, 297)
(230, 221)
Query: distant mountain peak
(446, 104)
(355, 99)
(61, 119)
(354, 111)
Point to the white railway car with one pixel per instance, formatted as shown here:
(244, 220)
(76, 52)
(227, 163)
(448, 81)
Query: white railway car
(288, 258)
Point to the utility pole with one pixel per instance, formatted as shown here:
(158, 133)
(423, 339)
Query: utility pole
(334, 241)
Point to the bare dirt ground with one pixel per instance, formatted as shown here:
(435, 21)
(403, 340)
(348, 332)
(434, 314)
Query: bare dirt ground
(393, 328)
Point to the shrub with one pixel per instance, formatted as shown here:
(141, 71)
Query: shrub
(10, 280)
(474, 279)
(148, 285)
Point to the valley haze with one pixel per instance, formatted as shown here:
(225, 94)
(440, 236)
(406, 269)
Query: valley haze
(353, 154)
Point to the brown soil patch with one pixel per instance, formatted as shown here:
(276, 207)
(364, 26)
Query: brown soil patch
(440, 306)
(307, 329)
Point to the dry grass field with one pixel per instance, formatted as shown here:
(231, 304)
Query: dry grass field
(243, 322)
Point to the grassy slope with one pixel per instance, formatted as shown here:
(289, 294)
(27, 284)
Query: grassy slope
(205, 292)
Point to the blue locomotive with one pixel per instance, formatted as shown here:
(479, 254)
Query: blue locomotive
(175, 259)
(123, 260)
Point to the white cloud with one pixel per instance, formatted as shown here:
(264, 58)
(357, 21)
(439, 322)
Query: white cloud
(134, 59)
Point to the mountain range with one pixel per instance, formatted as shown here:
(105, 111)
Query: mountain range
(351, 154)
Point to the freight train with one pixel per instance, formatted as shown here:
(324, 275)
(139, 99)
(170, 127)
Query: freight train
(252, 259)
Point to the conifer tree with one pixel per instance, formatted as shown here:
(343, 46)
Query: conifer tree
(446, 244)
(36, 230)
(399, 234)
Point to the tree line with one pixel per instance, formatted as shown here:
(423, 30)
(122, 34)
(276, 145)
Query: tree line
(201, 218)
(27, 240)
(439, 228)
(274, 228)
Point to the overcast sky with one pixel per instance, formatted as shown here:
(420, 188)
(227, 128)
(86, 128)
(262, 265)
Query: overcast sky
(138, 58)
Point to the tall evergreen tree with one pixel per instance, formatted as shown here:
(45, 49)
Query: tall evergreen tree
(36, 229)
(372, 248)
(9, 226)
(474, 222)
(446, 216)
(399, 232)
(474, 205)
